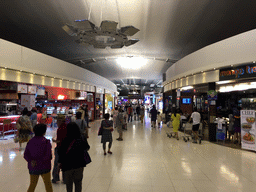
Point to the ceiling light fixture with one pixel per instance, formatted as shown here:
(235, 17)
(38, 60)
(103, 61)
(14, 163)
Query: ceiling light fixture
(107, 35)
(131, 62)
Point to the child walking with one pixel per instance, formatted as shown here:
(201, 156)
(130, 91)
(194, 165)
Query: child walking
(159, 119)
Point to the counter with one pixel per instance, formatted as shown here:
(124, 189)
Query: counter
(11, 129)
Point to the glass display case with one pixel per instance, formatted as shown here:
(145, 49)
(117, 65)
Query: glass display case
(8, 109)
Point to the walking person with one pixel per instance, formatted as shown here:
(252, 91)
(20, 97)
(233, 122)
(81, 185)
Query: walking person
(24, 128)
(159, 119)
(38, 154)
(107, 126)
(82, 125)
(142, 113)
(115, 113)
(61, 135)
(175, 118)
(196, 123)
(119, 124)
(153, 113)
(71, 157)
(86, 115)
(130, 113)
(33, 117)
(138, 112)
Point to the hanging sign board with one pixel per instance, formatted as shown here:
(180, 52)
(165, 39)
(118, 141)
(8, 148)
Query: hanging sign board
(248, 131)
(32, 89)
(22, 88)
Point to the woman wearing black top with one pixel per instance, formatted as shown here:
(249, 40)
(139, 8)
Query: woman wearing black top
(107, 126)
(71, 157)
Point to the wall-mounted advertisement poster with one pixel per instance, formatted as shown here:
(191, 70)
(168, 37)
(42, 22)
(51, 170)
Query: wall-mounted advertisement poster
(248, 131)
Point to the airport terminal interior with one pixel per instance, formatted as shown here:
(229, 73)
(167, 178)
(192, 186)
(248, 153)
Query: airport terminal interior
(146, 160)
(150, 59)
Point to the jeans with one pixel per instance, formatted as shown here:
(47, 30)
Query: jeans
(56, 171)
(86, 118)
(129, 117)
(74, 176)
(47, 182)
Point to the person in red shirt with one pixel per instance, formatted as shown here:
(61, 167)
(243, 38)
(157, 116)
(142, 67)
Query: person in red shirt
(130, 112)
(61, 135)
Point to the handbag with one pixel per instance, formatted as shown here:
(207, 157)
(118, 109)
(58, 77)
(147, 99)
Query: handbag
(100, 131)
(87, 157)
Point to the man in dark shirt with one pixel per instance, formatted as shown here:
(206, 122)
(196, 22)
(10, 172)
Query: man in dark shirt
(61, 135)
(153, 113)
(138, 112)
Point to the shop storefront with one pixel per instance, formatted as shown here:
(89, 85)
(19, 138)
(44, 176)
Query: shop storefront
(14, 97)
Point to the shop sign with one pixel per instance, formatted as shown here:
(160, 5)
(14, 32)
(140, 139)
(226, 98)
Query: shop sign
(212, 95)
(135, 96)
(248, 131)
(61, 97)
(221, 130)
(245, 71)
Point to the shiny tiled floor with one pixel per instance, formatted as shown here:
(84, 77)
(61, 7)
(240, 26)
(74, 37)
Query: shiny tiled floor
(146, 161)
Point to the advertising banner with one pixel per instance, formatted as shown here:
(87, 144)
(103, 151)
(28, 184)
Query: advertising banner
(32, 89)
(22, 88)
(248, 131)
(28, 101)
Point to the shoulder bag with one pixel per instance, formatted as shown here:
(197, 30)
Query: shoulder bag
(87, 157)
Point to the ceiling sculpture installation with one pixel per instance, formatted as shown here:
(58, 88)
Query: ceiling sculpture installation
(107, 35)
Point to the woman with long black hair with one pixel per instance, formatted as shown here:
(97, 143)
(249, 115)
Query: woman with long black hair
(72, 157)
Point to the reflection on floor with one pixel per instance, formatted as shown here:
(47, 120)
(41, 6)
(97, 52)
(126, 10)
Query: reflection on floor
(145, 161)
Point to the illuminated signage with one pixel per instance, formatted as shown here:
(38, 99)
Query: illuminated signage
(244, 71)
(61, 97)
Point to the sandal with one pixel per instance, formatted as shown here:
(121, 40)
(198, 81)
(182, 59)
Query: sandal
(110, 152)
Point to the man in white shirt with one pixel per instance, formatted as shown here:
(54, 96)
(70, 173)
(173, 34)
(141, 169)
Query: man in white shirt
(196, 123)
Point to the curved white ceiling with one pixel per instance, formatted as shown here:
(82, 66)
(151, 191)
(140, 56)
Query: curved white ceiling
(169, 29)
